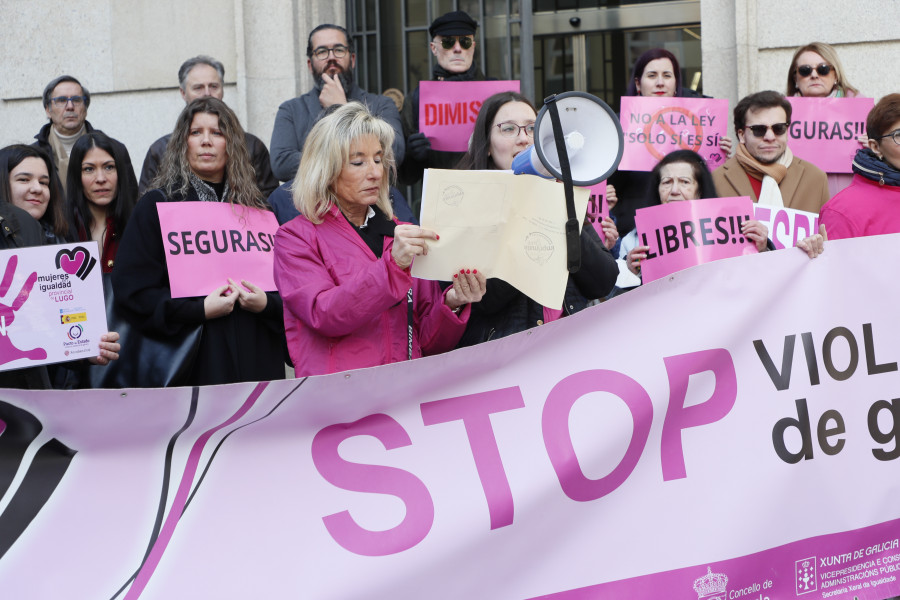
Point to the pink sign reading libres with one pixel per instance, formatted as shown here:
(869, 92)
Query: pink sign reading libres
(693, 232)
(448, 109)
(206, 243)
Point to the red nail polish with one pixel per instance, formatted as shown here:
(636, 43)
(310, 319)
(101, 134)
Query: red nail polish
(468, 271)
(455, 276)
(475, 271)
(437, 237)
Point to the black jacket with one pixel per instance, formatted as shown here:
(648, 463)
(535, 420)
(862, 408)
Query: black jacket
(43, 142)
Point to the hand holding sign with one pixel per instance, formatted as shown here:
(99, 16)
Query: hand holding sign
(251, 298)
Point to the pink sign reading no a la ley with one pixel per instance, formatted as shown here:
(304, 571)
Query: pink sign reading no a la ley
(689, 233)
(448, 109)
(654, 127)
(824, 131)
(208, 242)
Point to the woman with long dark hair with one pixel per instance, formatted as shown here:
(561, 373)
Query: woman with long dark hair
(101, 192)
(44, 200)
(242, 338)
(504, 128)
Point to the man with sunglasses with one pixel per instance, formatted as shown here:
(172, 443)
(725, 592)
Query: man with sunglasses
(331, 60)
(453, 46)
(763, 166)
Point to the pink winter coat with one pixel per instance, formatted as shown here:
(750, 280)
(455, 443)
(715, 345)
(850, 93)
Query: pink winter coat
(346, 309)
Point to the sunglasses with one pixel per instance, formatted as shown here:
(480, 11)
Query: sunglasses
(760, 130)
(806, 70)
(448, 41)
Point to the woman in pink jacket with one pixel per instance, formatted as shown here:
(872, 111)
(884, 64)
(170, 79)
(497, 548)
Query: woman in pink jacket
(342, 266)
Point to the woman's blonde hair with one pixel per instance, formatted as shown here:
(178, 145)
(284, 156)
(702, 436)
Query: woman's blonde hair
(827, 52)
(326, 152)
(174, 171)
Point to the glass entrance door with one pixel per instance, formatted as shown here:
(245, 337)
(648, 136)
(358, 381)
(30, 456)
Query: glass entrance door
(599, 61)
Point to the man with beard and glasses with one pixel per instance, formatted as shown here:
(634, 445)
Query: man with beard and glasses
(763, 166)
(453, 46)
(331, 61)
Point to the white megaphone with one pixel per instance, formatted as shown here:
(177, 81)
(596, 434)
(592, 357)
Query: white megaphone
(593, 139)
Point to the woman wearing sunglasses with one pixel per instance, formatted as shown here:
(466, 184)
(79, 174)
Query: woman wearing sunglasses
(503, 129)
(871, 204)
(816, 72)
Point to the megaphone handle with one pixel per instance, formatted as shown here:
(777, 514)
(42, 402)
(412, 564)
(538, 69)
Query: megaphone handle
(573, 236)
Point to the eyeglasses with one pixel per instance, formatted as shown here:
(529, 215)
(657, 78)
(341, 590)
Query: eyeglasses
(63, 100)
(895, 135)
(760, 130)
(448, 41)
(339, 51)
(822, 69)
(510, 129)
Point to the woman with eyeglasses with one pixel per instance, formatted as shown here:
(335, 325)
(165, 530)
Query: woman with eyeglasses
(656, 73)
(504, 128)
(816, 72)
(871, 204)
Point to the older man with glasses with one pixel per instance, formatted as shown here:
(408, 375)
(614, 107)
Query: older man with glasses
(66, 102)
(763, 166)
(331, 60)
(453, 46)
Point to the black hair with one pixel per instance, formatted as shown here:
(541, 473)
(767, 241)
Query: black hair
(10, 157)
(126, 185)
(478, 156)
(309, 48)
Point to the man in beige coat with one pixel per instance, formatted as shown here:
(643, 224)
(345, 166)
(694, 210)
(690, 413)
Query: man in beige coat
(763, 166)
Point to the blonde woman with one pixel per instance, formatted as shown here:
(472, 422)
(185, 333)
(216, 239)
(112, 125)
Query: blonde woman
(343, 266)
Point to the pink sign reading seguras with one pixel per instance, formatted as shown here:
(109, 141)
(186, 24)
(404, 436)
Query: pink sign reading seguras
(654, 127)
(447, 110)
(208, 242)
(689, 233)
(825, 131)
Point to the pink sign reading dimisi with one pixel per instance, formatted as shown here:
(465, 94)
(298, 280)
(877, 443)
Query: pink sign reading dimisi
(448, 109)
(690, 233)
(654, 127)
(825, 131)
(208, 242)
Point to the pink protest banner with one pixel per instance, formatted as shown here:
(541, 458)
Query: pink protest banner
(208, 242)
(787, 226)
(448, 109)
(712, 456)
(688, 233)
(824, 131)
(654, 127)
(51, 306)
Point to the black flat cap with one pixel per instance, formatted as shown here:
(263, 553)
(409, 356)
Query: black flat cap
(453, 23)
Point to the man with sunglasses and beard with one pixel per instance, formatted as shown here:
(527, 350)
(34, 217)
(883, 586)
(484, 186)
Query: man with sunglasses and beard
(331, 61)
(453, 46)
(763, 166)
